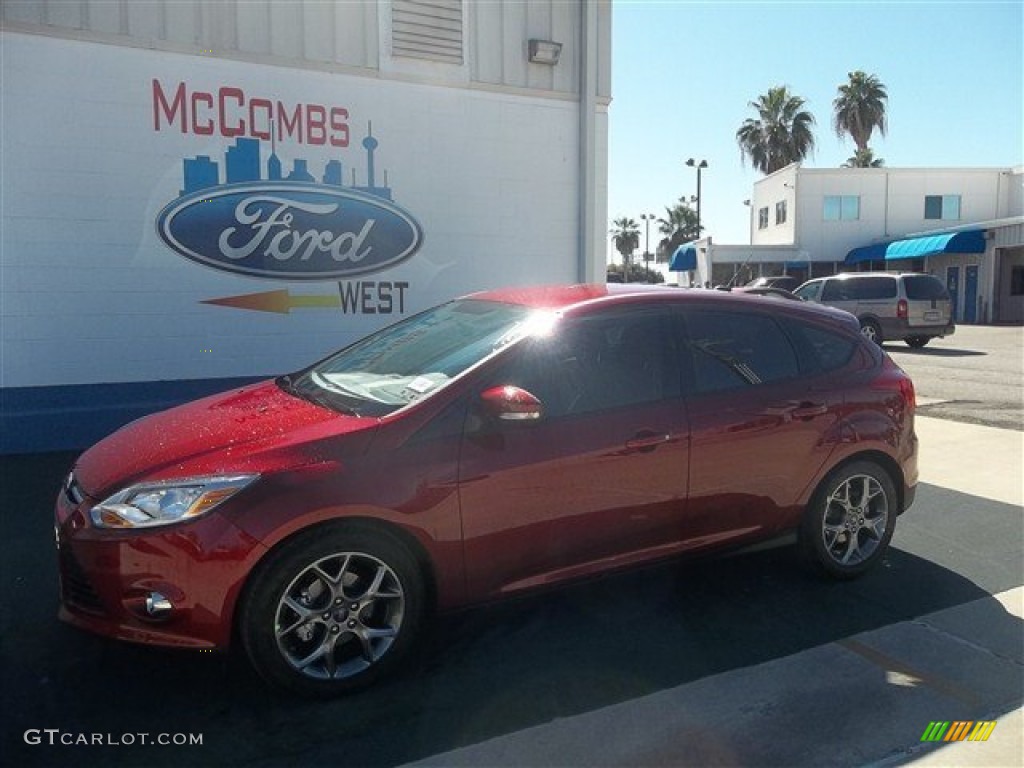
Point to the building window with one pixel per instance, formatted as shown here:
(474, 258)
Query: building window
(841, 208)
(944, 207)
(762, 218)
(780, 212)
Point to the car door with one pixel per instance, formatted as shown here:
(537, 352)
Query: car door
(600, 479)
(759, 425)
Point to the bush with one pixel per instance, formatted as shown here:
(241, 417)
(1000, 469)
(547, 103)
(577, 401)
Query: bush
(637, 274)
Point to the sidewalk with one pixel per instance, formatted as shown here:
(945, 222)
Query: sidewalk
(864, 700)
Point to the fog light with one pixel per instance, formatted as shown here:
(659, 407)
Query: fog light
(158, 606)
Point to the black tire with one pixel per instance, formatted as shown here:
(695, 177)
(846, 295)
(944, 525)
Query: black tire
(333, 611)
(871, 330)
(916, 342)
(848, 524)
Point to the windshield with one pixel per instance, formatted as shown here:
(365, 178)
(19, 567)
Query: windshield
(413, 359)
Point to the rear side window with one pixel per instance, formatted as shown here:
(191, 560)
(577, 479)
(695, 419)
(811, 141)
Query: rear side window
(924, 288)
(827, 350)
(859, 289)
(734, 350)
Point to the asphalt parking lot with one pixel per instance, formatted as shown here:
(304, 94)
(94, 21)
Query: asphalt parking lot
(739, 661)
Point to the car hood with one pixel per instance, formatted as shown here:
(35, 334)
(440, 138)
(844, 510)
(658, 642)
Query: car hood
(253, 429)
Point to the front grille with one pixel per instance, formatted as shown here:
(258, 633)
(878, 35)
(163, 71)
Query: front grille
(77, 591)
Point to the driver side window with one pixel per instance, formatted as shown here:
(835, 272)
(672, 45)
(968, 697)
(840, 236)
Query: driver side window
(594, 365)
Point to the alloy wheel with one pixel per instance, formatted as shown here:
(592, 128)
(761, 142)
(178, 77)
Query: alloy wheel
(339, 616)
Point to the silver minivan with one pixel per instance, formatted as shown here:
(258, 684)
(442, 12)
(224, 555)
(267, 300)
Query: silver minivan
(889, 306)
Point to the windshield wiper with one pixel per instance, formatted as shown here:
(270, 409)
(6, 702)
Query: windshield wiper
(316, 395)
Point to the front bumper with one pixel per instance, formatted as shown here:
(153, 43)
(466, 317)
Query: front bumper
(106, 577)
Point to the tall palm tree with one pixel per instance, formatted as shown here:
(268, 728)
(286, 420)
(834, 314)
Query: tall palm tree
(860, 108)
(780, 134)
(864, 158)
(626, 237)
(679, 226)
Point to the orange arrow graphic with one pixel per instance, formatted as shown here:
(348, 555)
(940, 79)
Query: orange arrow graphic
(280, 301)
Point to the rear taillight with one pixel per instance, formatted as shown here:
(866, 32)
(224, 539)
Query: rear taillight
(895, 379)
(901, 309)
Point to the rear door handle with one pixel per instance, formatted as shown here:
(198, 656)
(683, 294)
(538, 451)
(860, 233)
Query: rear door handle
(646, 442)
(809, 410)
(803, 410)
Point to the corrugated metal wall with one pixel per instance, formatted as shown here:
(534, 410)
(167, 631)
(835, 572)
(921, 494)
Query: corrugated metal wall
(489, 39)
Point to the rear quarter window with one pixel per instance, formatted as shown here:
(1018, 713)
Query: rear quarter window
(822, 350)
(924, 288)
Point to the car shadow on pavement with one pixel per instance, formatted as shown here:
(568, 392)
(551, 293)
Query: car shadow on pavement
(934, 351)
(481, 673)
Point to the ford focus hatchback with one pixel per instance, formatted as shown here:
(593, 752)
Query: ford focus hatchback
(498, 443)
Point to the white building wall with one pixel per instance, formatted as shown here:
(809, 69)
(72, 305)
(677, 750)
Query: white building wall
(891, 204)
(483, 154)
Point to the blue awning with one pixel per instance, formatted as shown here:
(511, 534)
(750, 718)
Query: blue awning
(684, 258)
(969, 241)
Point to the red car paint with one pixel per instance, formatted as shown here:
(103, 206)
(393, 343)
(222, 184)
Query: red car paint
(491, 513)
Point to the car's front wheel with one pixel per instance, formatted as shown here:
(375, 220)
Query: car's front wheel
(916, 342)
(850, 520)
(331, 612)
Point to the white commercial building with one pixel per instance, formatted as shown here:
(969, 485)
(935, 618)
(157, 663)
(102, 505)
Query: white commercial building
(965, 225)
(200, 193)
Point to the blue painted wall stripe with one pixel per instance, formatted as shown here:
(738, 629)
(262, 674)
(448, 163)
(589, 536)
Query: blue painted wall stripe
(66, 418)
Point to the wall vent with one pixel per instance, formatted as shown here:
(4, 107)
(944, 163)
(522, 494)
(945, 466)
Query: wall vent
(427, 29)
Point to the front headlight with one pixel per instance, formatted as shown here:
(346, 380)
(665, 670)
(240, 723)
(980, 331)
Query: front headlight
(162, 503)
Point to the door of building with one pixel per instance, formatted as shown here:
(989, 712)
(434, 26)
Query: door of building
(953, 286)
(971, 294)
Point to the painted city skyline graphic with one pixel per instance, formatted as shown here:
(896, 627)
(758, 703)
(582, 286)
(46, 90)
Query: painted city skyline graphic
(257, 218)
(242, 164)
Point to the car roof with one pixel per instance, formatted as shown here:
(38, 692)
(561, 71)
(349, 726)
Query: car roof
(570, 298)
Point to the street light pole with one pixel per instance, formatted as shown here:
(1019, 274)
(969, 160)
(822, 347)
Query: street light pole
(647, 219)
(694, 164)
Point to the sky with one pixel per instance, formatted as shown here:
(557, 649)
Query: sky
(684, 72)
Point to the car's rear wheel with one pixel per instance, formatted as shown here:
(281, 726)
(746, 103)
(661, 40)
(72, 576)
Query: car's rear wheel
(332, 612)
(850, 520)
(871, 330)
(916, 342)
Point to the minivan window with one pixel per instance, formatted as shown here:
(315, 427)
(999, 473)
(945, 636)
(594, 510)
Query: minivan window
(924, 288)
(731, 350)
(859, 289)
(809, 291)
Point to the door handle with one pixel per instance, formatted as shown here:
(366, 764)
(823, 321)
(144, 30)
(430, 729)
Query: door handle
(802, 410)
(809, 410)
(646, 442)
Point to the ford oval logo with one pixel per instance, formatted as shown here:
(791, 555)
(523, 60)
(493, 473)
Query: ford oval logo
(289, 230)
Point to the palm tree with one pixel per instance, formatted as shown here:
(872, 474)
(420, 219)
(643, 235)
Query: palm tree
(679, 226)
(780, 134)
(864, 159)
(859, 109)
(626, 237)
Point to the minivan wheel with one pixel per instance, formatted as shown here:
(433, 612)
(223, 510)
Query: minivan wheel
(331, 614)
(871, 331)
(850, 521)
(916, 342)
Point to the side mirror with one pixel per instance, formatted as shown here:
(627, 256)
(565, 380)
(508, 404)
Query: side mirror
(509, 403)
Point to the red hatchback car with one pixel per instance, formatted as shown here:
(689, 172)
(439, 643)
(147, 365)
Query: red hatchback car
(494, 444)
